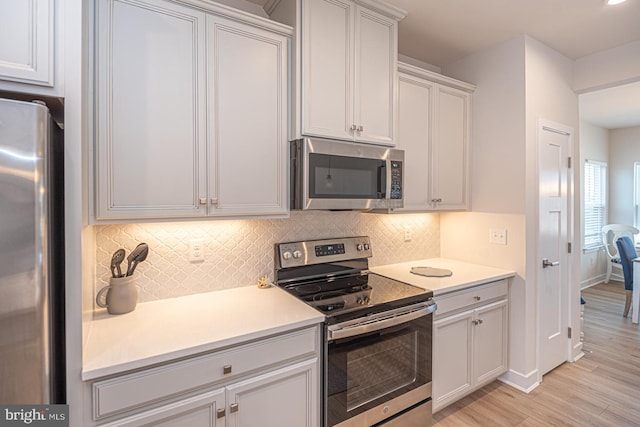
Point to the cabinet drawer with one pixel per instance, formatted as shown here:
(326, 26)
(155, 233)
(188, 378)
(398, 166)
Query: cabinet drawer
(470, 297)
(130, 391)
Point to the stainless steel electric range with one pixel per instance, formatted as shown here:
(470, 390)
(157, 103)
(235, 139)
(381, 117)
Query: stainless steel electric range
(378, 332)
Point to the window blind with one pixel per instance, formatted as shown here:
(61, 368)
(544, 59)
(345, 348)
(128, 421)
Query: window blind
(595, 197)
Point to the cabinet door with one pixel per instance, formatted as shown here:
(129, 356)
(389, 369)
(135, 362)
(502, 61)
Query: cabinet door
(450, 149)
(452, 347)
(375, 65)
(248, 119)
(285, 397)
(490, 342)
(415, 98)
(197, 411)
(327, 68)
(150, 111)
(26, 41)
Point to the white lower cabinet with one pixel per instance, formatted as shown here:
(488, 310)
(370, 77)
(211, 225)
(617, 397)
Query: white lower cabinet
(469, 341)
(281, 398)
(269, 383)
(197, 411)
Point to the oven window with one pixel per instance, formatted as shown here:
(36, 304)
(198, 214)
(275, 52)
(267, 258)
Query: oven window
(393, 362)
(341, 177)
(367, 370)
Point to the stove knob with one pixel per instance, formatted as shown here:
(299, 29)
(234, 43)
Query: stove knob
(366, 300)
(359, 300)
(359, 246)
(366, 247)
(297, 254)
(286, 255)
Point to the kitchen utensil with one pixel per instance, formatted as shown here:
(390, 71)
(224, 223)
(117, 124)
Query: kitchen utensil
(136, 256)
(116, 260)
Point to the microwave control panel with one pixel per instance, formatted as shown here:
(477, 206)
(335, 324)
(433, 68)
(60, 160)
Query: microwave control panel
(396, 179)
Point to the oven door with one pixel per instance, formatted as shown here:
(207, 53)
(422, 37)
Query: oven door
(378, 366)
(339, 175)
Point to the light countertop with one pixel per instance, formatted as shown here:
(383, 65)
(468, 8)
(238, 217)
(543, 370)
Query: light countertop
(160, 331)
(465, 275)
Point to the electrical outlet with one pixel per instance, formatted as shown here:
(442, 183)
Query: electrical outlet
(196, 250)
(407, 235)
(498, 236)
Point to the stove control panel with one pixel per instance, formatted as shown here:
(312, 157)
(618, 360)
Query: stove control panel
(295, 254)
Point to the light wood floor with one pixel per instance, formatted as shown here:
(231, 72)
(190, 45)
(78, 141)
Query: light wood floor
(600, 389)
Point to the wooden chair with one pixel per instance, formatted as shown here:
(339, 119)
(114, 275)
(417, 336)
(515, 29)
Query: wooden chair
(610, 235)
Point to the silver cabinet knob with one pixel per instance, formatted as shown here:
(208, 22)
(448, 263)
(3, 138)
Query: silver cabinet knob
(226, 369)
(203, 200)
(233, 407)
(353, 127)
(360, 128)
(220, 413)
(477, 298)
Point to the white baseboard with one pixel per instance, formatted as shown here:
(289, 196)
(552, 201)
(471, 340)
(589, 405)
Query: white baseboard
(593, 281)
(525, 383)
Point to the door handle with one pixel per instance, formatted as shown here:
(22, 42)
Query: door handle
(546, 263)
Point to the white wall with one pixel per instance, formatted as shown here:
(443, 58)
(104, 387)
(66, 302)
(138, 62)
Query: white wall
(518, 83)
(594, 145)
(608, 68)
(497, 187)
(498, 122)
(624, 150)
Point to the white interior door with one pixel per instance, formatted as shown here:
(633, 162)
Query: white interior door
(553, 266)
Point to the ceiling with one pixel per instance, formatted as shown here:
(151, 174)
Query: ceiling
(441, 32)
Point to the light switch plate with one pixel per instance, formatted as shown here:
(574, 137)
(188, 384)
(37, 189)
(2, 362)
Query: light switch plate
(498, 236)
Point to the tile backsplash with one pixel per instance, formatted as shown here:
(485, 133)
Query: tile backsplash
(238, 252)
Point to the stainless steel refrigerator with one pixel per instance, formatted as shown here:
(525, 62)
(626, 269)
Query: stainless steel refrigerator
(32, 357)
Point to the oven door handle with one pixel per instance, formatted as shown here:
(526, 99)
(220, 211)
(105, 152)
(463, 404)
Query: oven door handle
(350, 329)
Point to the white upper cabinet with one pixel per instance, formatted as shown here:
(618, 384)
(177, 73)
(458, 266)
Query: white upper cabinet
(151, 122)
(327, 66)
(346, 68)
(415, 108)
(191, 113)
(248, 119)
(434, 129)
(376, 52)
(27, 42)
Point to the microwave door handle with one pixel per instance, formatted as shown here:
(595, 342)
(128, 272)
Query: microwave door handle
(366, 327)
(383, 178)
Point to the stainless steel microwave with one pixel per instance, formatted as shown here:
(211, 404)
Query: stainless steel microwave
(335, 175)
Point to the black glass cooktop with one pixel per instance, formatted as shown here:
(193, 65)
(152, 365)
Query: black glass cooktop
(343, 294)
